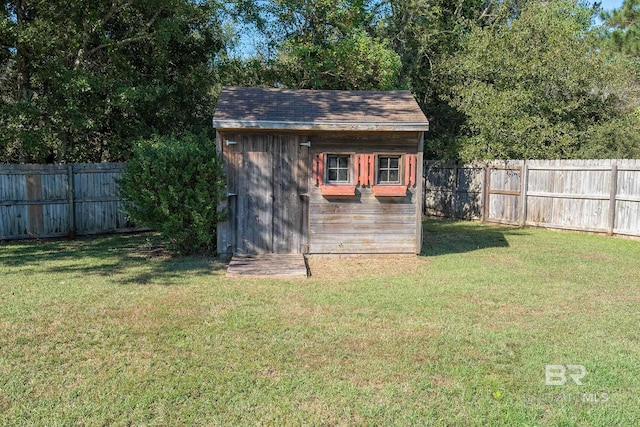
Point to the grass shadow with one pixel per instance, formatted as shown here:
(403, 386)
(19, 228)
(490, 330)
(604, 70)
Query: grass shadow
(127, 259)
(442, 236)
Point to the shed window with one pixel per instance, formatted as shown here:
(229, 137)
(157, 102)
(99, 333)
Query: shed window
(338, 168)
(389, 170)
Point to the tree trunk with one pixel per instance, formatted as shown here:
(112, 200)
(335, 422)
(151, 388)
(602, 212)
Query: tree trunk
(23, 76)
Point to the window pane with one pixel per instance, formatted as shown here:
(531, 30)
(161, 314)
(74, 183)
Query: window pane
(383, 162)
(393, 176)
(394, 162)
(338, 168)
(383, 175)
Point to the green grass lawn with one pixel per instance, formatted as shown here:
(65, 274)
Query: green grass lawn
(108, 331)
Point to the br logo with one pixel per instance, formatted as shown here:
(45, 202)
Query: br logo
(557, 374)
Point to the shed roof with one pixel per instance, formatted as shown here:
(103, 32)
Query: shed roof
(257, 108)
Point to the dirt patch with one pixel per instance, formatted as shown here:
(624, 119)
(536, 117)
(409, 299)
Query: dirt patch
(337, 267)
(152, 250)
(271, 374)
(596, 257)
(440, 381)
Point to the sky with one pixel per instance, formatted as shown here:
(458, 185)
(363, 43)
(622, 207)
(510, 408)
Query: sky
(608, 5)
(611, 4)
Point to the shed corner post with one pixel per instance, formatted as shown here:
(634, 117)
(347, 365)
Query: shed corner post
(222, 228)
(420, 186)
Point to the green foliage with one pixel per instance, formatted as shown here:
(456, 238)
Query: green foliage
(538, 86)
(423, 33)
(355, 61)
(82, 80)
(328, 44)
(173, 185)
(623, 26)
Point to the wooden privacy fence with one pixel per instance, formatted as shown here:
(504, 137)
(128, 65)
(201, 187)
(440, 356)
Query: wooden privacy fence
(590, 195)
(60, 200)
(587, 195)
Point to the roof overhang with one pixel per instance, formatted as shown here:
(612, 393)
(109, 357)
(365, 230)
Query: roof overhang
(321, 126)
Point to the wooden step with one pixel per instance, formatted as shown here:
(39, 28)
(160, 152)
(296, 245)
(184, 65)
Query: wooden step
(267, 265)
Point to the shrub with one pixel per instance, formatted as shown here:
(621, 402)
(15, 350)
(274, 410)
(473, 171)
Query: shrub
(173, 184)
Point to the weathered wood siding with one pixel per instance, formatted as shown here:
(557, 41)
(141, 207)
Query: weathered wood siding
(503, 187)
(453, 190)
(275, 205)
(96, 199)
(267, 193)
(568, 198)
(33, 201)
(39, 201)
(365, 223)
(587, 195)
(627, 203)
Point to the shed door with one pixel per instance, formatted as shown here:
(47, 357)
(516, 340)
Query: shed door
(272, 205)
(256, 210)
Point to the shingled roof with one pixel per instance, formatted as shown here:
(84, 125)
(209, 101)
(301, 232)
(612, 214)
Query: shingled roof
(256, 108)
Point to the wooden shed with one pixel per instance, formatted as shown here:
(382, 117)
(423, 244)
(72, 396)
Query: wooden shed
(321, 171)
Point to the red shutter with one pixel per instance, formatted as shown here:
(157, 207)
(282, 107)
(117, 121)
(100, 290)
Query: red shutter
(363, 169)
(319, 169)
(407, 170)
(410, 169)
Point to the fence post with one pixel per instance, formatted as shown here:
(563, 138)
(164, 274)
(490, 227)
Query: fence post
(612, 199)
(524, 183)
(71, 195)
(454, 192)
(484, 207)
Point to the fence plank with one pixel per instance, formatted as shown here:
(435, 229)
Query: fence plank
(71, 217)
(612, 200)
(523, 194)
(38, 201)
(34, 211)
(588, 195)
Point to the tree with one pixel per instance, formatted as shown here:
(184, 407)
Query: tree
(328, 44)
(623, 26)
(424, 33)
(539, 86)
(82, 80)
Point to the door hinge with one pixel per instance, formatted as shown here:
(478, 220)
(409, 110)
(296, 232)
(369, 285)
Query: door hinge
(231, 142)
(306, 144)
